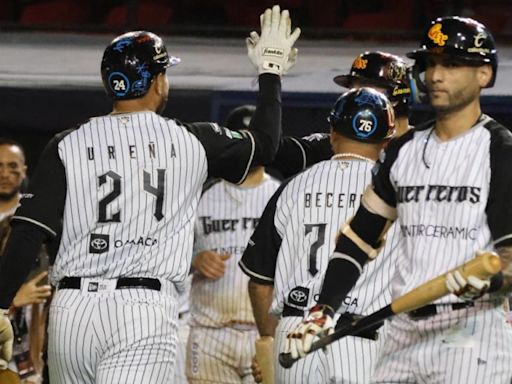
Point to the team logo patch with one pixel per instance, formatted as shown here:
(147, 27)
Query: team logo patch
(299, 296)
(368, 98)
(436, 35)
(396, 72)
(359, 63)
(99, 243)
(364, 124)
(478, 41)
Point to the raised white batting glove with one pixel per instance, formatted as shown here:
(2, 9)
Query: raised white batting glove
(253, 39)
(319, 323)
(6, 338)
(468, 289)
(273, 51)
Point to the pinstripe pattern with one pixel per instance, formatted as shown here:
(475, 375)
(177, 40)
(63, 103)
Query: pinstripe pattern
(312, 369)
(305, 201)
(227, 216)
(345, 181)
(213, 302)
(449, 166)
(112, 337)
(445, 210)
(220, 355)
(131, 135)
(465, 346)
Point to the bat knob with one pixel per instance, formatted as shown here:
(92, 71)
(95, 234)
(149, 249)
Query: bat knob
(286, 360)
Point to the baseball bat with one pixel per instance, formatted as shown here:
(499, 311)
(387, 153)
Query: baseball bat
(483, 266)
(264, 355)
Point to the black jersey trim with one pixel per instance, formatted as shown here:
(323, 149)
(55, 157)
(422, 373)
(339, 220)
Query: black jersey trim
(256, 276)
(37, 223)
(251, 157)
(304, 159)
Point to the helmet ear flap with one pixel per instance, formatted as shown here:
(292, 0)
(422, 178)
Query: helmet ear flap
(419, 92)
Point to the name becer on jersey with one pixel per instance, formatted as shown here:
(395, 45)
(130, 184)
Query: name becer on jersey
(438, 193)
(132, 151)
(329, 199)
(223, 225)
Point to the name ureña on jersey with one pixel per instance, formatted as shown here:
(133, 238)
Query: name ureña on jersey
(151, 151)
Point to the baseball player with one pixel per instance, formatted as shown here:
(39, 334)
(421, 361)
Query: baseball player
(379, 70)
(289, 251)
(121, 191)
(447, 187)
(223, 331)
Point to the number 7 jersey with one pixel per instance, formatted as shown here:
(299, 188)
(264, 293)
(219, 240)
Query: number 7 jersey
(122, 192)
(296, 235)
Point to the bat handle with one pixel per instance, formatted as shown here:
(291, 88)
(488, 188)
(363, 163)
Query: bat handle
(286, 360)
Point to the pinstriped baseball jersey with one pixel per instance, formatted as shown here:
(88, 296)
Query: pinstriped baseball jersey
(133, 183)
(452, 197)
(297, 232)
(227, 216)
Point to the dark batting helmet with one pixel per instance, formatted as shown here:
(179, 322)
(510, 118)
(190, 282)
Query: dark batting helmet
(130, 63)
(240, 117)
(461, 37)
(382, 70)
(363, 114)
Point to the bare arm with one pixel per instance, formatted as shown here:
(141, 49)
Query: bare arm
(506, 260)
(261, 298)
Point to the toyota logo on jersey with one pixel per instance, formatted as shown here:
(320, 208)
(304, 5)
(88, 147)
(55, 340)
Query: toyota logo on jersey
(98, 243)
(299, 296)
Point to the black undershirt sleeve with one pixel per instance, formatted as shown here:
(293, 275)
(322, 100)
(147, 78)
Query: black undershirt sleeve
(342, 274)
(230, 154)
(260, 256)
(499, 204)
(298, 153)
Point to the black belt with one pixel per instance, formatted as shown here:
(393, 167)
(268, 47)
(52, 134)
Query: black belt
(434, 309)
(122, 283)
(344, 320)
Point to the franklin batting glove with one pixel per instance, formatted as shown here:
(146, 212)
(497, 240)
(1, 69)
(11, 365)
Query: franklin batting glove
(273, 51)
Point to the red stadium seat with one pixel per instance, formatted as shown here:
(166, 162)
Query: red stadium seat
(148, 13)
(58, 12)
(398, 15)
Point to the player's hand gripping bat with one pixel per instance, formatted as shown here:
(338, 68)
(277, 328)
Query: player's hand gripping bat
(483, 266)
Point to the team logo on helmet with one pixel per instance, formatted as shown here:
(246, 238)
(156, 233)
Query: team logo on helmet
(359, 63)
(436, 35)
(364, 124)
(478, 41)
(122, 44)
(396, 72)
(367, 98)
